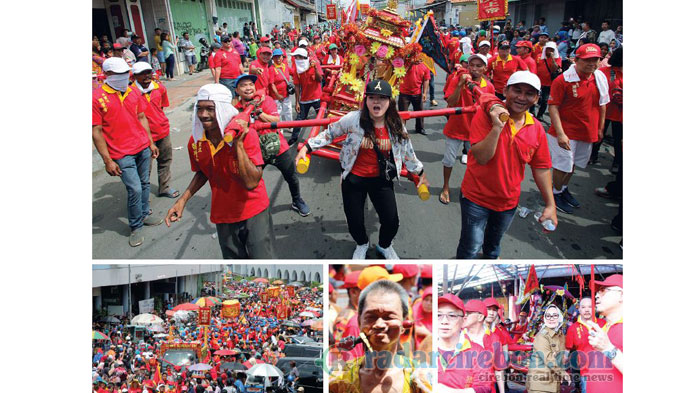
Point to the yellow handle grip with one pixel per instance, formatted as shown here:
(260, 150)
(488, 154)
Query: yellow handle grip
(303, 165)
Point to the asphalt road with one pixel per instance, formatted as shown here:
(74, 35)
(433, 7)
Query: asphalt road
(428, 229)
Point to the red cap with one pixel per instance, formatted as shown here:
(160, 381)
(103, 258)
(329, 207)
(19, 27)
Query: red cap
(615, 280)
(316, 36)
(407, 270)
(491, 302)
(427, 292)
(331, 288)
(524, 44)
(117, 46)
(426, 271)
(475, 306)
(451, 299)
(265, 39)
(523, 313)
(588, 51)
(264, 49)
(351, 280)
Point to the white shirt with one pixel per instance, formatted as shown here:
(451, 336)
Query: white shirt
(606, 36)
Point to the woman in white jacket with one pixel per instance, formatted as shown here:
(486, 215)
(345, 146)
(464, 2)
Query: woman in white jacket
(377, 126)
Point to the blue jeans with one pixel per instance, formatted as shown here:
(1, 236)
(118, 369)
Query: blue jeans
(136, 178)
(583, 384)
(304, 112)
(482, 226)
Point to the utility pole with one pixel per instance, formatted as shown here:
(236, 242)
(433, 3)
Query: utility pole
(130, 301)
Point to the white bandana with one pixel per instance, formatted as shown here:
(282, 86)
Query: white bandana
(224, 111)
(302, 65)
(145, 90)
(552, 45)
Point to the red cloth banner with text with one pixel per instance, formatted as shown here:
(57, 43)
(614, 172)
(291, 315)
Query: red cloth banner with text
(204, 314)
(291, 291)
(492, 9)
(331, 11)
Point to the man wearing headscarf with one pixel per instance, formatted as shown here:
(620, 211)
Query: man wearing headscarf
(240, 204)
(121, 134)
(548, 67)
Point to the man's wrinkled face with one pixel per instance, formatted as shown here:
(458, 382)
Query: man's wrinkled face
(608, 298)
(246, 89)
(476, 67)
(381, 319)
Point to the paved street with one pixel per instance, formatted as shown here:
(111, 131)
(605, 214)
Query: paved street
(428, 229)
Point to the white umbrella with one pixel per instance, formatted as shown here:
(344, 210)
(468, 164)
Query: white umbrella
(160, 335)
(183, 315)
(307, 314)
(146, 319)
(265, 370)
(313, 309)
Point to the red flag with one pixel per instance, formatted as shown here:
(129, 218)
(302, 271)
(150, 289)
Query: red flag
(532, 281)
(344, 17)
(158, 376)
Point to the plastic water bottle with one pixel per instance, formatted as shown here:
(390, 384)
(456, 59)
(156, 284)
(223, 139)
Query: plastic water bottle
(303, 165)
(547, 224)
(523, 211)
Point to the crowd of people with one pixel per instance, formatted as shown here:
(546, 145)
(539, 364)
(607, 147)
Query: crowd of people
(382, 339)
(478, 349)
(257, 334)
(512, 74)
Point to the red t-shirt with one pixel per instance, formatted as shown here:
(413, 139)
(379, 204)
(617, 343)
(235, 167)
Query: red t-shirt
(231, 201)
(211, 60)
(496, 185)
(366, 164)
(414, 79)
(605, 378)
(503, 69)
(537, 49)
(457, 126)
(543, 71)
(465, 370)
(577, 339)
(266, 78)
(269, 107)
(614, 109)
(498, 340)
(279, 81)
(121, 128)
(310, 86)
(154, 102)
(229, 62)
(578, 107)
(530, 62)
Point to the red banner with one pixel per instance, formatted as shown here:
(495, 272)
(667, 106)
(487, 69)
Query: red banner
(204, 314)
(331, 11)
(230, 310)
(492, 9)
(364, 8)
(291, 291)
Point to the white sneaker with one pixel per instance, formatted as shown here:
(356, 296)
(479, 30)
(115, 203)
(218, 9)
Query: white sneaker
(464, 158)
(388, 252)
(361, 251)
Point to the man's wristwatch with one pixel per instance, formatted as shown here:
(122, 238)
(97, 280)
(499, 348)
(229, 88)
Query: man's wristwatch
(611, 353)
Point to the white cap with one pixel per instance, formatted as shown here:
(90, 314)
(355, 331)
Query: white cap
(115, 64)
(303, 42)
(484, 42)
(496, 27)
(525, 77)
(214, 92)
(139, 67)
(480, 56)
(299, 51)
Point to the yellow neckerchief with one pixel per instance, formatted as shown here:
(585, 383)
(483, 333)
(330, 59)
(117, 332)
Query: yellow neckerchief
(580, 321)
(282, 65)
(483, 82)
(155, 87)
(121, 96)
(350, 376)
(213, 149)
(498, 59)
(528, 120)
(609, 325)
(461, 346)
